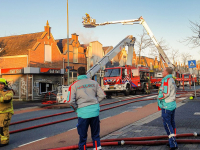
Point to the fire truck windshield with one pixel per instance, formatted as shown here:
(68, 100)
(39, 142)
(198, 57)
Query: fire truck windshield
(112, 72)
(186, 76)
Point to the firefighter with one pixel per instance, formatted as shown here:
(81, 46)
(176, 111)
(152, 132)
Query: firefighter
(146, 77)
(6, 111)
(87, 18)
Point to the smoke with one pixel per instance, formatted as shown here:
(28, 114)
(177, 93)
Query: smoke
(86, 37)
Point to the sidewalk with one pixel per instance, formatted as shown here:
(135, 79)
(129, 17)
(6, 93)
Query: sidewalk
(26, 104)
(187, 121)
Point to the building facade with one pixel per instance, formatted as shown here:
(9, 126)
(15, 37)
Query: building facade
(35, 64)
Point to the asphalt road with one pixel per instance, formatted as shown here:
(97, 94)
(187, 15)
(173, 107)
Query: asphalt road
(24, 137)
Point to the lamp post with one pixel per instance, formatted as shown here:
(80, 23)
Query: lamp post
(67, 45)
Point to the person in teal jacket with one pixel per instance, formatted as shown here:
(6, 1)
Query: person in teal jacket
(85, 96)
(167, 103)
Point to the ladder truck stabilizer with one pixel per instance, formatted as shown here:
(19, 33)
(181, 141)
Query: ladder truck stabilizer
(63, 91)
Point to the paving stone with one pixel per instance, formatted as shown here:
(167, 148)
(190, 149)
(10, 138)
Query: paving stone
(186, 122)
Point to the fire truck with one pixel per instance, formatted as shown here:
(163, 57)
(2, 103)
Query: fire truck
(126, 80)
(156, 80)
(184, 78)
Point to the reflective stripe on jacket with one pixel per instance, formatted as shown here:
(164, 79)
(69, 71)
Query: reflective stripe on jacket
(167, 93)
(85, 92)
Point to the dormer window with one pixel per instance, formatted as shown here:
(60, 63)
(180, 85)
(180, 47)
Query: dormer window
(1, 49)
(47, 53)
(75, 55)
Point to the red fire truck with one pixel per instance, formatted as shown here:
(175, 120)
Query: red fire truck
(156, 80)
(186, 78)
(126, 80)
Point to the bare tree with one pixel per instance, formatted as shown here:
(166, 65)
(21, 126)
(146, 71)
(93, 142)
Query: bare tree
(185, 57)
(154, 50)
(193, 40)
(143, 43)
(174, 55)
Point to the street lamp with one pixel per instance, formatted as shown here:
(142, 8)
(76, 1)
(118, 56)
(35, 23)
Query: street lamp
(67, 45)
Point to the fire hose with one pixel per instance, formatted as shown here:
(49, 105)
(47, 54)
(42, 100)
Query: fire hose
(33, 119)
(139, 141)
(50, 123)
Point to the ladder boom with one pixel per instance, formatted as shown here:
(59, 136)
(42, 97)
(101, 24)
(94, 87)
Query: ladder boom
(127, 41)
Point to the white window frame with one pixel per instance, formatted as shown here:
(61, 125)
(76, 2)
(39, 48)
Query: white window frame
(75, 51)
(47, 57)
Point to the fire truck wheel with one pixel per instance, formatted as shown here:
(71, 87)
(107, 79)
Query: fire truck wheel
(127, 92)
(108, 95)
(133, 92)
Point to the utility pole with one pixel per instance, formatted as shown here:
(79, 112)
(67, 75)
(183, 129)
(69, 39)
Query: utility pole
(67, 45)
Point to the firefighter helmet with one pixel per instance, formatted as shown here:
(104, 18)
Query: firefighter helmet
(2, 80)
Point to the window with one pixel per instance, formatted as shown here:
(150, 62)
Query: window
(124, 60)
(151, 66)
(47, 53)
(45, 87)
(72, 77)
(75, 55)
(112, 72)
(1, 49)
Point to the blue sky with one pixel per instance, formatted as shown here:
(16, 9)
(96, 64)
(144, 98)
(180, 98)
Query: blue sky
(167, 19)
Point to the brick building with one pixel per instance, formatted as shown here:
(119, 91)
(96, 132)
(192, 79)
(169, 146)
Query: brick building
(77, 56)
(34, 64)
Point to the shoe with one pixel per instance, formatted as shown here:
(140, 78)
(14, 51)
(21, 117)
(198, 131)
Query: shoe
(167, 145)
(2, 145)
(173, 148)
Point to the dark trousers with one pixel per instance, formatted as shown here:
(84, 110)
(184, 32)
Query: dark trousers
(82, 128)
(170, 127)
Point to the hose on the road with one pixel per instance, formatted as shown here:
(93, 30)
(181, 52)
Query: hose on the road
(138, 141)
(33, 119)
(50, 123)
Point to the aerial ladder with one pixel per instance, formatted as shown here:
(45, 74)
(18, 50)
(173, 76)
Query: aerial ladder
(89, 22)
(63, 91)
(92, 24)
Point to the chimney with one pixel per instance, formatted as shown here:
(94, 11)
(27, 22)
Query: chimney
(75, 37)
(47, 29)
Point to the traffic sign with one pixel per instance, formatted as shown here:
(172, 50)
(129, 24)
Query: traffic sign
(192, 63)
(68, 67)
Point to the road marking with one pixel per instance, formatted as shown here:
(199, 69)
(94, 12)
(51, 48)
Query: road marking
(197, 113)
(72, 129)
(106, 118)
(151, 96)
(137, 131)
(32, 142)
(130, 96)
(182, 98)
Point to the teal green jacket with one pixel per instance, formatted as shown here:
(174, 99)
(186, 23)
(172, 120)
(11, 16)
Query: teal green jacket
(167, 93)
